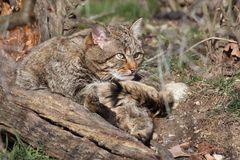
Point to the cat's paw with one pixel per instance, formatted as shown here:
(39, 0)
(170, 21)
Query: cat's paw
(167, 97)
(162, 104)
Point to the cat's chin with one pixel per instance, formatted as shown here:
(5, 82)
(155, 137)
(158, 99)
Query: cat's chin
(123, 78)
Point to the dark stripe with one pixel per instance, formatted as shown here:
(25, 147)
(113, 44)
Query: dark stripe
(137, 77)
(116, 89)
(104, 60)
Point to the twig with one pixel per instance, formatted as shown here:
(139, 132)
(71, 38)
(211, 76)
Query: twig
(193, 46)
(157, 56)
(207, 39)
(94, 17)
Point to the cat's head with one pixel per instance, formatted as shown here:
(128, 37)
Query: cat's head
(115, 51)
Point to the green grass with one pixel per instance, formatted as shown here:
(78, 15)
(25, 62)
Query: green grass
(222, 84)
(234, 105)
(226, 86)
(21, 151)
(195, 33)
(126, 9)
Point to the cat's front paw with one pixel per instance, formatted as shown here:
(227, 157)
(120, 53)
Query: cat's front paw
(162, 104)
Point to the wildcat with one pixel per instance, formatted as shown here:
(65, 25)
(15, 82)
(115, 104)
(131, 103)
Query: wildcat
(96, 68)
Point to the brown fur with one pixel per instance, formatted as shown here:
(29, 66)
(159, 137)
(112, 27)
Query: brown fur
(82, 66)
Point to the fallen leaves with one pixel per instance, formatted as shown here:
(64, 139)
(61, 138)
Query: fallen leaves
(5, 9)
(208, 150)
(232, 51)
(19, 40)
(178, 152)
(203, 150)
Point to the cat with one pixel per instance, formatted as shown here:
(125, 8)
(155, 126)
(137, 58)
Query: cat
(97, 67)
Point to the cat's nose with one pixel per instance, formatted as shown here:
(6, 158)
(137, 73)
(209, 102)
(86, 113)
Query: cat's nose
(133, 70)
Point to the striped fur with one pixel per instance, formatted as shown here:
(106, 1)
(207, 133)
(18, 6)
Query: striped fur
(87, 67)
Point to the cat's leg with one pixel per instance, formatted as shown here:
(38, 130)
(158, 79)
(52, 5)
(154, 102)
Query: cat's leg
(126, 114)
(122, 111)
(128, 102)
(158, 102)
(27, 80)
(147, 96)
(91, 102)
(133, 119)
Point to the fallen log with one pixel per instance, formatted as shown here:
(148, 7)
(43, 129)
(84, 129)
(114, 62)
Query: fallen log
(66, 129)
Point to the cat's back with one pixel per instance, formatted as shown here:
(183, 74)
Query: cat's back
(55, 54)
(56, 49)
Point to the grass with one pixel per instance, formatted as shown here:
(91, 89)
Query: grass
(195, 33)
(234, 105)
(128, 10)
(222, 84)
(21, 151)
(225, 86)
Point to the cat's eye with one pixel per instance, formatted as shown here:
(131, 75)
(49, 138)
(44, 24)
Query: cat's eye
(137, 55)
(120, 56)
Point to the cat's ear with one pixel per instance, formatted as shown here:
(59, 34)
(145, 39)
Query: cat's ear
(99, 35)
(137, 27)
(88, 41)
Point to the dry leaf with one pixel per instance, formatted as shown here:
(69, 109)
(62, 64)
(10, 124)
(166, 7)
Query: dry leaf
(196, 157)
(19, 40)
(185, 145)
(209, 157)
(177, 152)
(232, 51)
(6, 9)
(204, 148)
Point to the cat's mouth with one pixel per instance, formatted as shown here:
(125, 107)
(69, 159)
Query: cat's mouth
(123, 77)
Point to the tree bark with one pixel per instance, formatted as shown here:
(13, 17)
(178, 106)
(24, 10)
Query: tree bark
(57, 18)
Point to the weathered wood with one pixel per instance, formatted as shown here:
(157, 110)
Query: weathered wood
(57, 18)
(56, 141)
(66, 129)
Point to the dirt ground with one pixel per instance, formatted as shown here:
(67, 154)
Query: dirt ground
(200, 120)
(202, 123)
